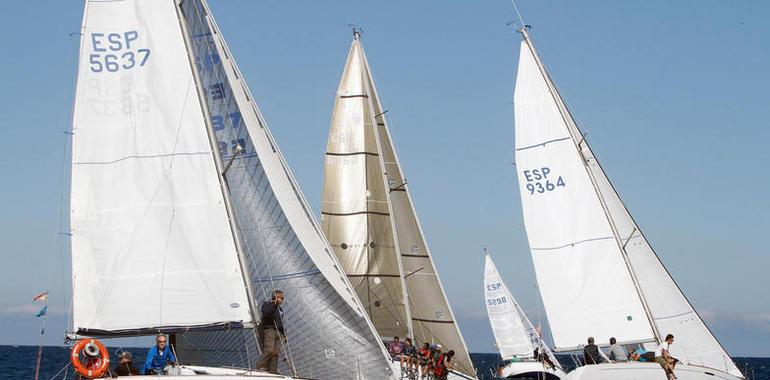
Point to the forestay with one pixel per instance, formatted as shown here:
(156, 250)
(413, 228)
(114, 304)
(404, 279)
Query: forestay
(151, 242)
(368, 215)
(543, 124)
(329, 335)
(514, 333)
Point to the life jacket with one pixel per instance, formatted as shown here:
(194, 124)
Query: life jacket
(440, 370)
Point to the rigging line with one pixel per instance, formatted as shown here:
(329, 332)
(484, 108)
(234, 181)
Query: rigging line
(521, 19)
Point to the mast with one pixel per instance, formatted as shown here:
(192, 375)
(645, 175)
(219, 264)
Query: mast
(578, 141)
(220, 170)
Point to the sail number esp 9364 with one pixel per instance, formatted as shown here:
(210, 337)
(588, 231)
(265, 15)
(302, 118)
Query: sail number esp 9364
(113, 52)
(541, 180)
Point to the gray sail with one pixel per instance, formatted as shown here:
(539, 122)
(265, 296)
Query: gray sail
(369, 218)
(329, 335)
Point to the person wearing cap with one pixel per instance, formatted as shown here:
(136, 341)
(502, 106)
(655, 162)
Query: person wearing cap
(125, 366)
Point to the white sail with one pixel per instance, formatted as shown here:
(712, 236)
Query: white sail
(144, 180)
(366, 200)
(329, 334)
(541, 112)
(514, 334)
(586, 287)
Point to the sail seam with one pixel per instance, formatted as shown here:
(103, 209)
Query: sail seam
(354, 96)
(351, 154)
(140, 156)
(288, 276)
(374, 275)
(543, 143)
(572, 244)
(355, 213)
(430, 320)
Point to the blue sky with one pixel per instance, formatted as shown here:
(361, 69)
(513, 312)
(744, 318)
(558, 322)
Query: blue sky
(673, 96)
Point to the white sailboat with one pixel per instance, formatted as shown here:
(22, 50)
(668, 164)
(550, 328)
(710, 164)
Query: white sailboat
(369, 219)
(516, 338)
(597, 273)
(184, 214)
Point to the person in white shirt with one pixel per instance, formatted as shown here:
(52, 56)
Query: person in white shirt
(664, 358)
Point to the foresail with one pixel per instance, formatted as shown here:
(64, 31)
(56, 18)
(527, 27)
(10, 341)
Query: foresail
(432, 317)
(513, 337)
(355, 214)
(670, 309)
(585, 284)
(329, 335)
(152, 247)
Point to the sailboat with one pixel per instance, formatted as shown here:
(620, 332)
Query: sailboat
(185, 215)
(370, 221)
(516, 338)
(597, 273)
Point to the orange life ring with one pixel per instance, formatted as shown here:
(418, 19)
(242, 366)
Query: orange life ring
(93, 366)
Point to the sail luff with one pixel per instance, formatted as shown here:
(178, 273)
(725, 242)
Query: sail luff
(370, 90)
(253, 309)
(453, 337)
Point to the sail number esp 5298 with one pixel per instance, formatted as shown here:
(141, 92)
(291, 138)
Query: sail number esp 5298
(113, 52)
(540, 180)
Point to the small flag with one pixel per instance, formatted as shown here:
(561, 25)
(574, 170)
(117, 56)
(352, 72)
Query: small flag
(42, 297)
(42, 311)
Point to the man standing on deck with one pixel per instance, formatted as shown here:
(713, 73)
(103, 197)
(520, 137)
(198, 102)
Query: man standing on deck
(272, 325)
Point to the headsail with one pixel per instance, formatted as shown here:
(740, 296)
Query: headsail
(329, 335)
(143, 177)
(368, 216)
(514, 333)
(570, 203)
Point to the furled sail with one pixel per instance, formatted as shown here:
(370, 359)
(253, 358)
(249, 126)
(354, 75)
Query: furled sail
(369, 219)
(514, 333)
(329, 334)
(545, 134)
(152, 246)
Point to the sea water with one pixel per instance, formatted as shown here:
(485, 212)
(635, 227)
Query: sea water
(18, 362)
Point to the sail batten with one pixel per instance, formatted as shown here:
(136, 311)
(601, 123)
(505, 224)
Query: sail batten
(359, 190)
(642, 288)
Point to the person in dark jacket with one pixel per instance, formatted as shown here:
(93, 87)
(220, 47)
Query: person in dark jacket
(125, 366)
(591, 354)
(273, 335)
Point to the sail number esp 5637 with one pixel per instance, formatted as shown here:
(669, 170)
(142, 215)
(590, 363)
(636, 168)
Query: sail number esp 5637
(540, 180)
(113, 52)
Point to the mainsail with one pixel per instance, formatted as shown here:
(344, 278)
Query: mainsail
(597, 273)
(154, 231)
(514, 333)
(143, 179)
(369, 219)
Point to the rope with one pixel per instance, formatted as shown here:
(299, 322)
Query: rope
(60, 371)
(521, 19)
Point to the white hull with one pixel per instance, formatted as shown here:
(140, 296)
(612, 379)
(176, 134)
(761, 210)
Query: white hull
(200, 372)
(531, 369)
(646, 371)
